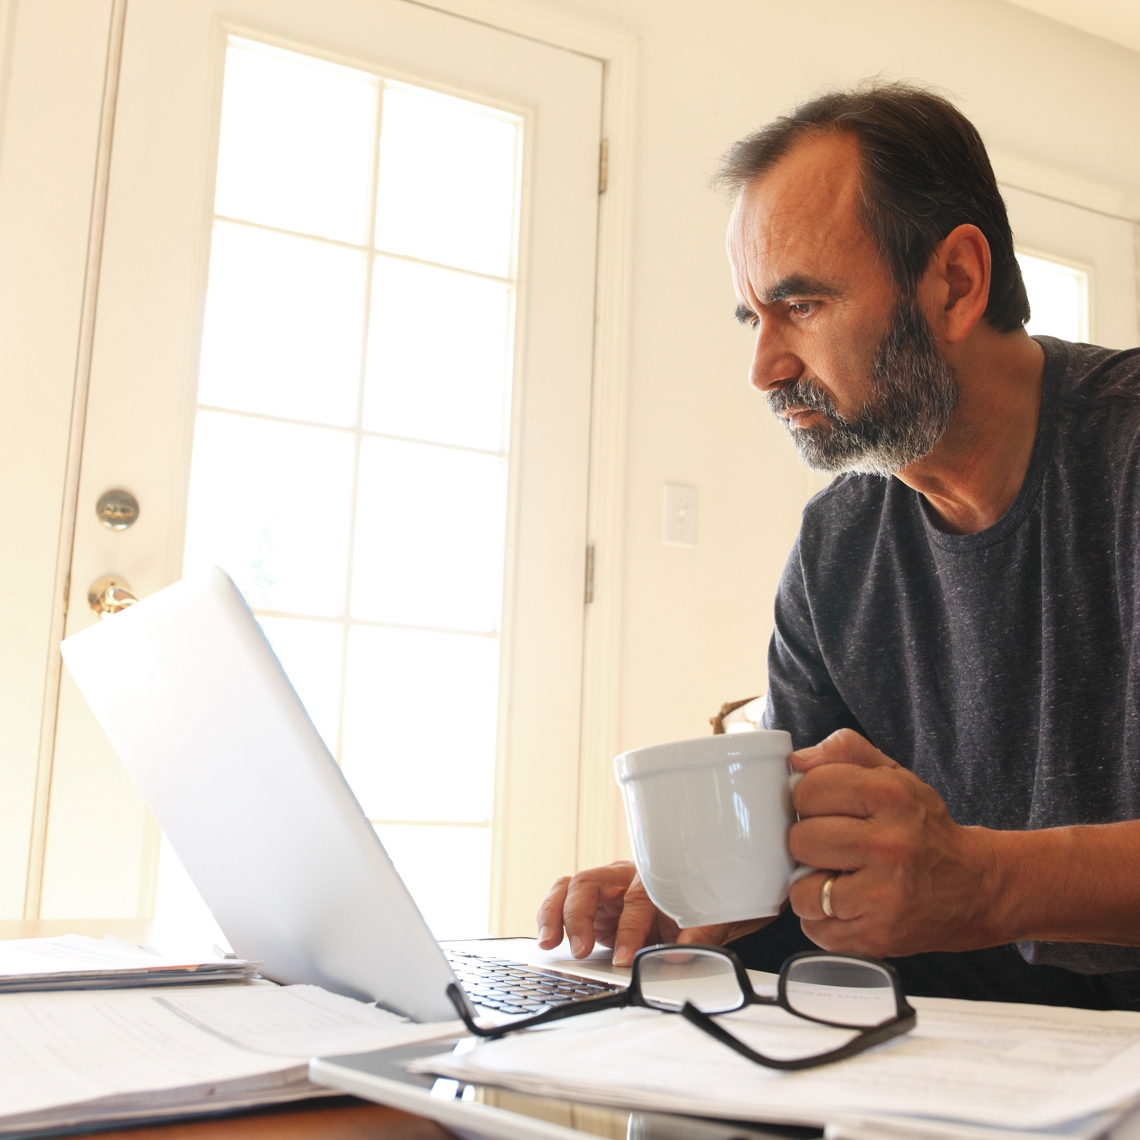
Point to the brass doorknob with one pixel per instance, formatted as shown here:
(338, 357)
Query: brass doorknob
(108, 596)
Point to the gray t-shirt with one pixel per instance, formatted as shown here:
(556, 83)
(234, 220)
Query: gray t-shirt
(1002, 668)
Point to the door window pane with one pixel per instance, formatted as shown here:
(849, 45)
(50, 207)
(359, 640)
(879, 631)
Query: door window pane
(311, 653)
(447, 181)
(270, 504)
(448, 871)
(296, 142)
(282, 332)
(1058, 298)
(439, 356)
(419, 723)
(429, 536)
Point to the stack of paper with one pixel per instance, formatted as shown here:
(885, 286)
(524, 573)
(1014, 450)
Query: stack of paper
(969, 1069)
(82, 1058)
(75, 961)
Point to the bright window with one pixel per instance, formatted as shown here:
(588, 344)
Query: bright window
(1058, 297)
(350, 455)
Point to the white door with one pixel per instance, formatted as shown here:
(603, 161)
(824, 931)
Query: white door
(388, 303)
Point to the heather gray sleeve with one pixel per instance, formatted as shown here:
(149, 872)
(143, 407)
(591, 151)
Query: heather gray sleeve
(801, 696)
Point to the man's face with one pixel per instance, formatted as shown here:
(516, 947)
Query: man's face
(849, 365)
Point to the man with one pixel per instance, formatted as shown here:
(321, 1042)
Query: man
(956, 643)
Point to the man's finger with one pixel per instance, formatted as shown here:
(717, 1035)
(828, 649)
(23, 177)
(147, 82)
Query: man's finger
(836, 843)
(847, 789)
(550, 914)
(837, 789)
(844, 746)
(723, 932)
(587, 893)
(583, 898)
(806, 897)
(638, 916)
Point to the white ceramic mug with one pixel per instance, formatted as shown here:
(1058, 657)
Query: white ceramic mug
(708, 820)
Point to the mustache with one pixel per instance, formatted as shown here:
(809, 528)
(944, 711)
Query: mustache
(911, 398)
(802, 394)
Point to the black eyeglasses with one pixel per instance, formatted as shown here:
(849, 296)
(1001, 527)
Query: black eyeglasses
(846, 991)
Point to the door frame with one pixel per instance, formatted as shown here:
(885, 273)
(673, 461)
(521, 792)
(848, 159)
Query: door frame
(41, 804)
(601, 833)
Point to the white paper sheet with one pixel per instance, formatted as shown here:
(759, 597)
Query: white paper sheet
(131, 1050)
(298, 1021)
(1009, 1066)
(82, 962)
(73, 952)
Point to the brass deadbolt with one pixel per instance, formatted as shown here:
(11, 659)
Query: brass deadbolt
(117, 509)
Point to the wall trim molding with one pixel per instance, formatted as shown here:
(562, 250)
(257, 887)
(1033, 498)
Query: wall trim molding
(601, 819)
(601, 824)
(524, 18)
(7, 45)
(33, 891)
(1037, 178)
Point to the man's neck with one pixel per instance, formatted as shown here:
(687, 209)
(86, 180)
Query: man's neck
(973, 475)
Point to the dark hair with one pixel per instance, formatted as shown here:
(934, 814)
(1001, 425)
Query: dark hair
(925, 171)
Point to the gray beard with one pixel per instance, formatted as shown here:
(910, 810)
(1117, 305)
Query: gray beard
(913, 396)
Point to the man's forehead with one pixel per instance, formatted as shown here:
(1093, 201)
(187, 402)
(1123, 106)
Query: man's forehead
(800, 217)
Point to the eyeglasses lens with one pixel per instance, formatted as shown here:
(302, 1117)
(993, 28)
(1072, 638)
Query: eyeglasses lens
(841, 991)
(669, 978)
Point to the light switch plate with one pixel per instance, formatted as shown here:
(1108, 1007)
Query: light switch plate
(680, 515)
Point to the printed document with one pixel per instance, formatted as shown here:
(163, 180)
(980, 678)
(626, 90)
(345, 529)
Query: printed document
(69, 1057)
(75, 961)
(986, 1064)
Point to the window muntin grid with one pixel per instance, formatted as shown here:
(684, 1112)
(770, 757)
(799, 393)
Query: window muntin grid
(364, 516)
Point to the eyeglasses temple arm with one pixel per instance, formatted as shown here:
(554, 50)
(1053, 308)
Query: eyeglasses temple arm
(607, 1001)
(865, 1040)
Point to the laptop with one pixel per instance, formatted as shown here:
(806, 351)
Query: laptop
(205, 720)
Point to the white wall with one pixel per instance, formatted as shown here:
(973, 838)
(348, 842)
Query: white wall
(697, 621)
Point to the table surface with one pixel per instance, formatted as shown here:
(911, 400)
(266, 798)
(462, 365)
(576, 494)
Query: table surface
(340, 1118)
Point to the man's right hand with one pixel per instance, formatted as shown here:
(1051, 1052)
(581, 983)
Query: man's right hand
(608, 905)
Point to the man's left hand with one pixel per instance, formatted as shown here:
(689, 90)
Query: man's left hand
(912, 880)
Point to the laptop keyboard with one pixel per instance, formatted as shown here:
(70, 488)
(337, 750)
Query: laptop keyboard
(514, 988)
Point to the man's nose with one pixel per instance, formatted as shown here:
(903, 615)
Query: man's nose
(773, 363)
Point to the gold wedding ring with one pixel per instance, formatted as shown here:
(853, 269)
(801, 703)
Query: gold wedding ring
(825, 896)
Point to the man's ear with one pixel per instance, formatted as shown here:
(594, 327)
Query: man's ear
(956, 284)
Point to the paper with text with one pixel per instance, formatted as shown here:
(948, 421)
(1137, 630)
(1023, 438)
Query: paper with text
(1009, 1066)
(132, 1048)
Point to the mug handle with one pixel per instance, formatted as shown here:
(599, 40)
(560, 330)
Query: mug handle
(801, 870)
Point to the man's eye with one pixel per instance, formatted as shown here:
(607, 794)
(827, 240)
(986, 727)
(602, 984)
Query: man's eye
(802, 308)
